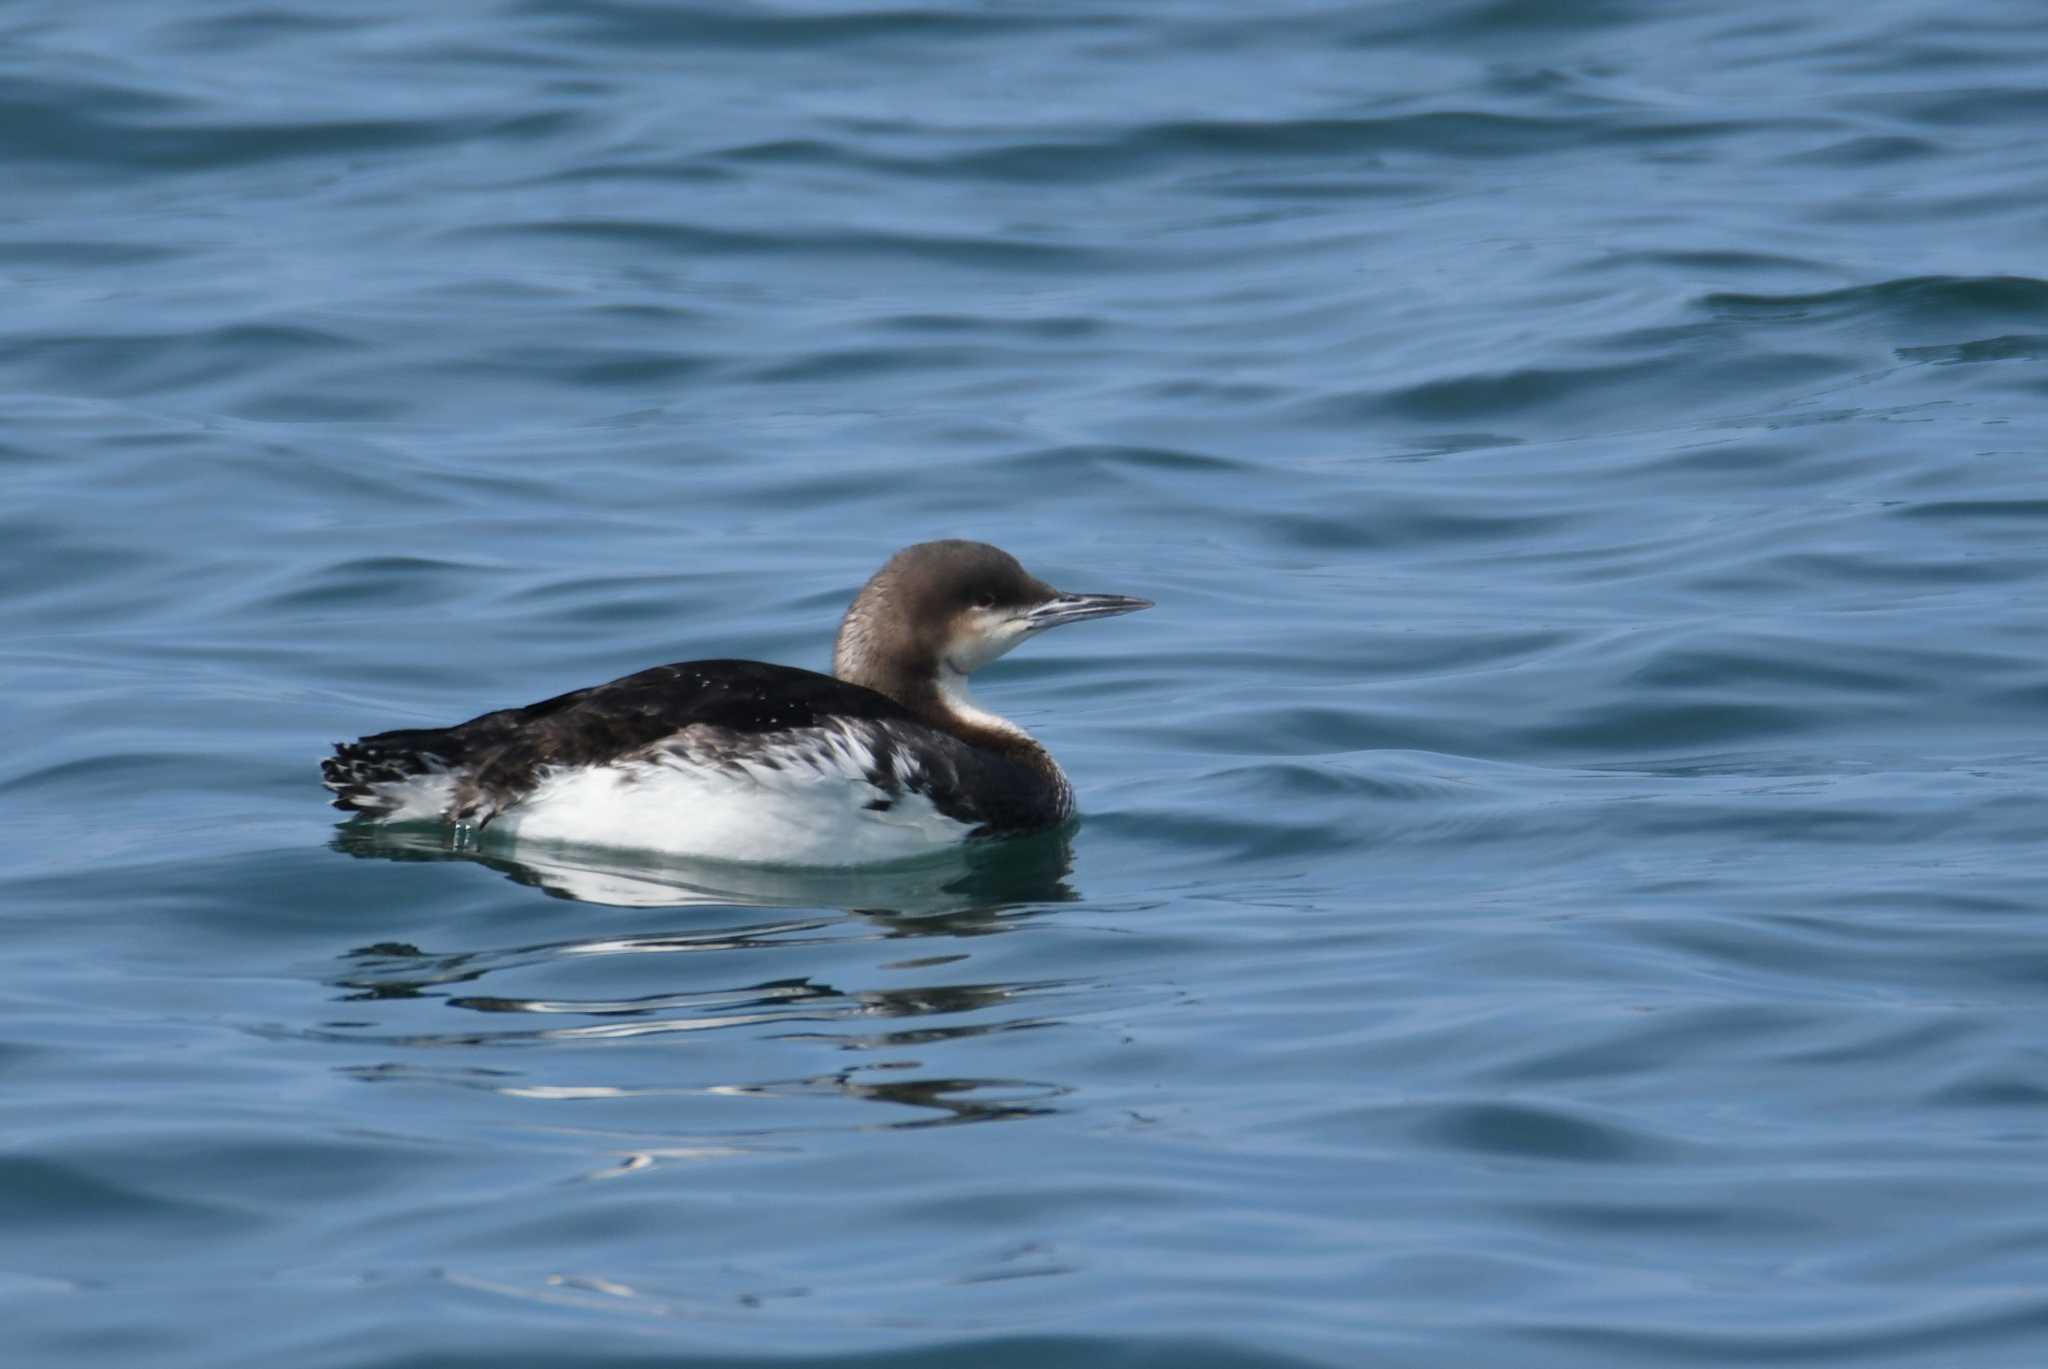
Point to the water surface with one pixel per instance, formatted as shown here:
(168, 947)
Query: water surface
(1558, 867)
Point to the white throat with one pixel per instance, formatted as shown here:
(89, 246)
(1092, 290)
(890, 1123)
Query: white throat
(953, 694)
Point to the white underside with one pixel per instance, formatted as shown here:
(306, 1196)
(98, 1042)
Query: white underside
(687, 797)
(768, 817)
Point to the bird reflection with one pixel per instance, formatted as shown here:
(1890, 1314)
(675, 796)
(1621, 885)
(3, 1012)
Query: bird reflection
(957, 1100)
(811, 1007)
(1030, 870)
(826, 913)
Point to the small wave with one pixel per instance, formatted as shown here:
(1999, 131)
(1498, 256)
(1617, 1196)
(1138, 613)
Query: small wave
(697, 240)
(2012, 347)
(625, 23)
(1919, 301)
(1547, 1132)
(365, 582)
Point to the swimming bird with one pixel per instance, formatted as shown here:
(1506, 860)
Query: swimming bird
(885, 758)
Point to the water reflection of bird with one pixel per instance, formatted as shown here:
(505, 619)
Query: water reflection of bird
(947, 892)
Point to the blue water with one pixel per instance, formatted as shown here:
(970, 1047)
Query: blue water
(1561, 875)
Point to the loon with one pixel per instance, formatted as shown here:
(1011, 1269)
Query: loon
(885, 758)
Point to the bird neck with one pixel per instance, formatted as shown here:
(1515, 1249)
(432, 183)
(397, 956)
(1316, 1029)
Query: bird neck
(942, 701)
(937, 695)
(965, 717)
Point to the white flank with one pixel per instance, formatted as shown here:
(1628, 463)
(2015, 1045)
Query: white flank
(808, 809)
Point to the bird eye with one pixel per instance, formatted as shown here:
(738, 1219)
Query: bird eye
(985, 601)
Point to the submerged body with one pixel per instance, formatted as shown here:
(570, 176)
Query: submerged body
(884, 759)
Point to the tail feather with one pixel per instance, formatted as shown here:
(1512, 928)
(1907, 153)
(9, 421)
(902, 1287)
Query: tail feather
(407, 774)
